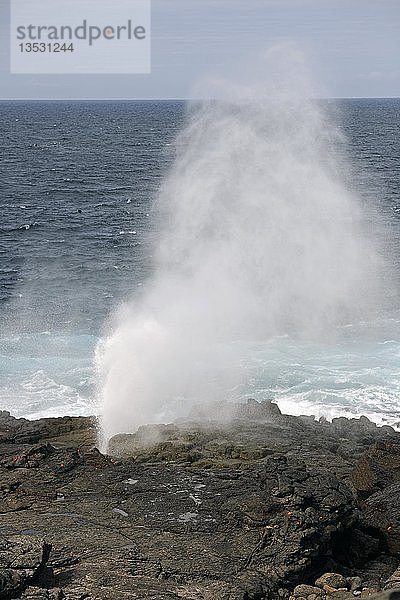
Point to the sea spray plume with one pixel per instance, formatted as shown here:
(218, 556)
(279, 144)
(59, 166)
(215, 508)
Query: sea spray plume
(258, 236)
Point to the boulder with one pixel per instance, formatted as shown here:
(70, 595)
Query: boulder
(253, 410)
(378, 468)
(382, 513)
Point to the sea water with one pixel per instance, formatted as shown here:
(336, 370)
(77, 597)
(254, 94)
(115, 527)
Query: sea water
(78, 183)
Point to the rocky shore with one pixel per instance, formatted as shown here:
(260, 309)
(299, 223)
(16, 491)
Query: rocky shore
(261, 505)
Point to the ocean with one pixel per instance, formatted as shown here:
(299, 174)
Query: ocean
(77, 232)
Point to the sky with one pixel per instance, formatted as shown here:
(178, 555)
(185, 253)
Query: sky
(351, 46)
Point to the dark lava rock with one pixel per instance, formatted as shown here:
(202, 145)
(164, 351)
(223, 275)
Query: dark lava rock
(77, 430)
(335, 580)
(252, 507)
(378, 468)
(393, 582)
(266, 524)
(223, 412)
(376, 479)
(28, 457)
(253, 410)
(388, 595)
(382, 512)
(36, 593)
(354, 583)
(375, 572)
(21, 557)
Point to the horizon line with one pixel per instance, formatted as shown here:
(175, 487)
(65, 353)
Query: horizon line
(176, 99)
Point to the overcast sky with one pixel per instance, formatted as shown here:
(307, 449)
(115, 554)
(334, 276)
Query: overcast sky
(352, 46)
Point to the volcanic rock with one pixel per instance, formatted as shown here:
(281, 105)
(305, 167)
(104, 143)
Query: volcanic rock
(334, 580)
(393, 582)
(382, 512)
(253, 507)
(21, 558)
(378, 468)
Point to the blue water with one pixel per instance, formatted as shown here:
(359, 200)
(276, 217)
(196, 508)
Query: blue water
(78, 181)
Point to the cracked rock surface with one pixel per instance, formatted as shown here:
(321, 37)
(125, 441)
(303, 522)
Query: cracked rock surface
(260, 506)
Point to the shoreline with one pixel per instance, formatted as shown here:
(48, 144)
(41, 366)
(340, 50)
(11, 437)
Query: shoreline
(263, 506)
(319, 416)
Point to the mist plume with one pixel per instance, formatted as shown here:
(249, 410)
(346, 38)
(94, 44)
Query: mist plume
(258, 236)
